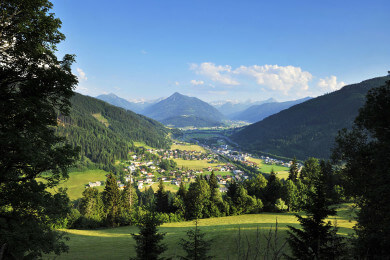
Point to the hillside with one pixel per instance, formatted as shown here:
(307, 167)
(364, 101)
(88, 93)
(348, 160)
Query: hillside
(257, 113)
(307, 129)
(104, 132)
(137, 107)
(180, 111)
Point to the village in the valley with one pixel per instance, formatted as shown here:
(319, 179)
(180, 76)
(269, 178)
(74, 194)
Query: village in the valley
(183, 162)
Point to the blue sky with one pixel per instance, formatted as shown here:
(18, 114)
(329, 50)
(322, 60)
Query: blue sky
(224, 50)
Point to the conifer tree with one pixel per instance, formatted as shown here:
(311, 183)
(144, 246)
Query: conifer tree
(317, 239)
(129, 201)
(111, 200)
(293, 172)
(148, 241)
(162, 198)
(214, 187)
(196, 246)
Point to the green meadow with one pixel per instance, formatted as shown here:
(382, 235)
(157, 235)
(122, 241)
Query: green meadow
(195, 164)
(188, 147)
(78, 180)
(116, 243)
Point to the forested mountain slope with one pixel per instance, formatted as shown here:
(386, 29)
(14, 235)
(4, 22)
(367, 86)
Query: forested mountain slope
(308, 129)
(105, 132)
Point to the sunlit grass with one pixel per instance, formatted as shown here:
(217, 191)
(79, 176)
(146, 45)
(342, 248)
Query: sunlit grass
(188, 147)
(195, 164)
(116, 243)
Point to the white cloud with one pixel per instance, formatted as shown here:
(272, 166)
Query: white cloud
(220, 74)
(330, 84)
(279, 78)
(197, 82)
(177, 83)
(82, 76)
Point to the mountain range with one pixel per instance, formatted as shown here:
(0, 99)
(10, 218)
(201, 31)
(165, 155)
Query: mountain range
(257, 113)
(307, 129)
(137, 107)
(230, 108)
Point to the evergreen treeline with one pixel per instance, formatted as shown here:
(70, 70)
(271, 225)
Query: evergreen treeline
(105, 133)
(203, 199)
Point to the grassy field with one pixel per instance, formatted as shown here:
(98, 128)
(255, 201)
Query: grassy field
(116, 243)
(188, 147)
(266, 168)
(77, 181)
(195, 164)
(140, 144)
(281, 171)
(167, 185)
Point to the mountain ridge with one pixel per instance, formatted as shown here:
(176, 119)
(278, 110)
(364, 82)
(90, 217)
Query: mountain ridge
(178, 109)
(307, 129)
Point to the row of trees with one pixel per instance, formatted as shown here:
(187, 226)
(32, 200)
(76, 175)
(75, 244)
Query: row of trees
(203, 199)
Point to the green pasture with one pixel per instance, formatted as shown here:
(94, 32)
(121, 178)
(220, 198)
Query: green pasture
(77, 181)
(116, 243)
(195, 164)
(267, 168)
(167, 185)
(223, 174)
(140, 144)
(188, 147)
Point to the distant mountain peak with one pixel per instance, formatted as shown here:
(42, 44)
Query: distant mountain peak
(181, 110)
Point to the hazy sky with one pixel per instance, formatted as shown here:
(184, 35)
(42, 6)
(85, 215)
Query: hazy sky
(220, 50)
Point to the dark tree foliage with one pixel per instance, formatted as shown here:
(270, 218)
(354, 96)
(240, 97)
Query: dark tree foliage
(294, 171)
(196, 246)
(148, 241)
(161, 198)
(317, 239)
(197, 199)
(129, 200)
(33, 85)
(112, 200)
(273, 190)
(92, 208)
(364, 155)
(214, 187)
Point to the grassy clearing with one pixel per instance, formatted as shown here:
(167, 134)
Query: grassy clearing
(223, 174)
(116, 243)
(101, 119)
(266, 168)
(167, 185)
(282, 175)
(77, 181)
(256, 160)
(194, 164)
(140, 144)
(188, 147)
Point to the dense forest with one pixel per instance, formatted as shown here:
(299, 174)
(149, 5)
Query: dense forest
(308, 129)
(105, 133)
